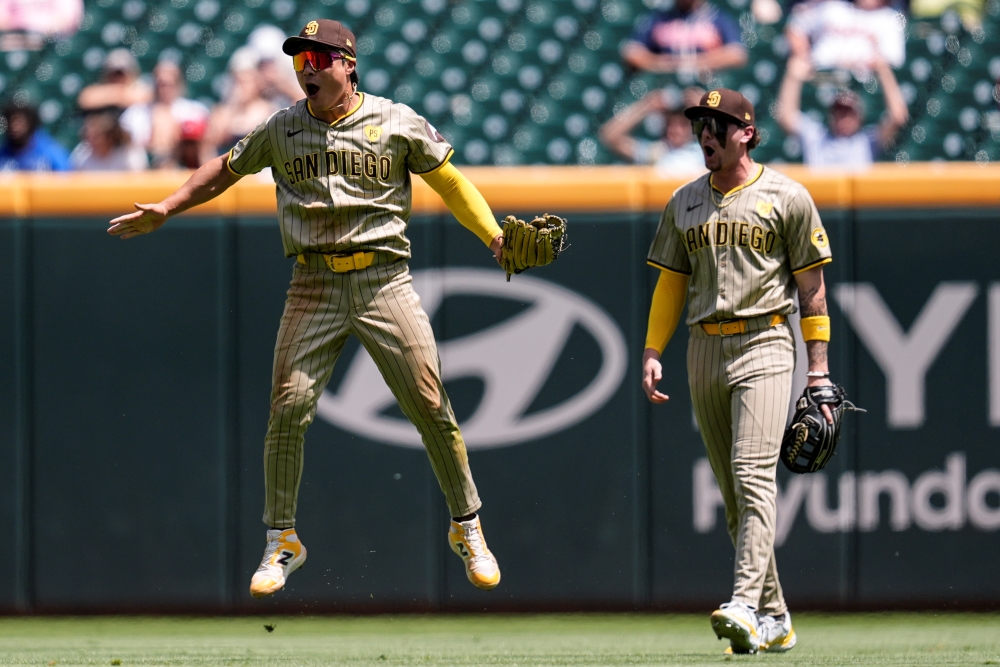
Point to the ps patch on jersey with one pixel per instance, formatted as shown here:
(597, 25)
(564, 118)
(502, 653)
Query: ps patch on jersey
(373, 132)
(764, 208)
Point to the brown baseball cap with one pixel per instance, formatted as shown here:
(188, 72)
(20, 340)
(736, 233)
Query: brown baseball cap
(723, 102)
(322, 35)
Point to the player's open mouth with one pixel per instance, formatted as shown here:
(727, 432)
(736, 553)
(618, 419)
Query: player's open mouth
(311, 89)
(708, 150)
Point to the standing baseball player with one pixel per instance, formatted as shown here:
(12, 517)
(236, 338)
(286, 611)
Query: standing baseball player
(341, 160)
(737, 243)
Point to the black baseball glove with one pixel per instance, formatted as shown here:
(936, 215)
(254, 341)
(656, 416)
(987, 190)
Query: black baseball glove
(810, 441)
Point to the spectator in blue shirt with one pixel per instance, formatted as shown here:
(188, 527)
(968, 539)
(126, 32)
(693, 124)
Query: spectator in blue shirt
(844, 141)
(27, 146)
(694, 35)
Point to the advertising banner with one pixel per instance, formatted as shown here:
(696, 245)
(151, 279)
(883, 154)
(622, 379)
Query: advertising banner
(142, 399)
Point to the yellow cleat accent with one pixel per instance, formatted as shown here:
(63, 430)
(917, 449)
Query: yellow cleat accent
(776, 633)
(786, 643)
(466, 540)
(283, 555)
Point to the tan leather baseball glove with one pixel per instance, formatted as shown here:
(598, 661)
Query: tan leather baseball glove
(529, 244)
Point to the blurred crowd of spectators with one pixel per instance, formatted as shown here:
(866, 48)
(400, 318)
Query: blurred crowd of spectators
(134, 122)
(835, 45)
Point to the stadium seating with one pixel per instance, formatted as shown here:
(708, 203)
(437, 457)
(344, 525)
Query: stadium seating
(516, 81)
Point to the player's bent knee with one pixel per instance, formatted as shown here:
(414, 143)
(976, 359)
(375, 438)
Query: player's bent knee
(294, 394)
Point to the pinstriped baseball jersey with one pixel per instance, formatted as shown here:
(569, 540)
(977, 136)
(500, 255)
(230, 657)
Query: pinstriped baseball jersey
(740, 248)
(343, 187)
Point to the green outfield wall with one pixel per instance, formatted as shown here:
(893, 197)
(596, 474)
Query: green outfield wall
(134, 383)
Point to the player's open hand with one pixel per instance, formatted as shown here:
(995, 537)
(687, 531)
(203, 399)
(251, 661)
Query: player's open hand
(652, 373)
(147, 218)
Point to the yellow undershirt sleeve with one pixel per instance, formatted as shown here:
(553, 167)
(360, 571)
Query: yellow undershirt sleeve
(464, 201)
(665, 310)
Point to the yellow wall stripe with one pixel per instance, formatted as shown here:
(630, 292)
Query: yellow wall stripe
(540, 189)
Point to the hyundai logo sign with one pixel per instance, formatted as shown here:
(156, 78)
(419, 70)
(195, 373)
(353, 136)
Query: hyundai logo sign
(512, 381)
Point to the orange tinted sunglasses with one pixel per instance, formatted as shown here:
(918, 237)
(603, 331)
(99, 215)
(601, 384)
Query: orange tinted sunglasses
(318, 60)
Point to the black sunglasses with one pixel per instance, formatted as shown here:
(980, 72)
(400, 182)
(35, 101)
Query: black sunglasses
(719, 127)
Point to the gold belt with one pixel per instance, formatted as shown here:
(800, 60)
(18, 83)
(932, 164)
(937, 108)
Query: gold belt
(735, 327)
(344, 263)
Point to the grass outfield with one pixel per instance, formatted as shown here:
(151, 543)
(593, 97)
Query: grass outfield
(590, 639)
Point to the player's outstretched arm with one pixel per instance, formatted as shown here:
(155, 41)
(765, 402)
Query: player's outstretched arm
(467, 205)
(211, 180)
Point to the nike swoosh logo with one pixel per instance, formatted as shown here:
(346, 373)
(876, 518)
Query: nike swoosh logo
(689, 208)
(292, 134)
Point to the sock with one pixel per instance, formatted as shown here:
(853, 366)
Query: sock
(462, 519)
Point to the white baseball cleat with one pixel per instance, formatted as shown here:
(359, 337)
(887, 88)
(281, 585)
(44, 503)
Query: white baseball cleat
(466, 539)
(776, 633)
(283, 555)
(737, 622)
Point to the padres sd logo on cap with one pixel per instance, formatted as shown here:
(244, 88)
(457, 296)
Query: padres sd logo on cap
(311, 28)
(714, 98)
(373, 132)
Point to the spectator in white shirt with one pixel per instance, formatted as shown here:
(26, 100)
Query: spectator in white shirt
(833, 34)
(677, 153)
(243, 106)
(156, 126)
(844, 142)
(279, 83)
(106, 147)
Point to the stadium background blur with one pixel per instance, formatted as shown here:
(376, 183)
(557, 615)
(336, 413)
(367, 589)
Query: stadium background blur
(520, 81)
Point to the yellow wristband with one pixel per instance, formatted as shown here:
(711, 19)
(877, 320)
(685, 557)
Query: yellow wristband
(815, 328)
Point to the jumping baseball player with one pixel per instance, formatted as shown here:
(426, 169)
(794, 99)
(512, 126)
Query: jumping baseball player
(341, 161)
(736, 244)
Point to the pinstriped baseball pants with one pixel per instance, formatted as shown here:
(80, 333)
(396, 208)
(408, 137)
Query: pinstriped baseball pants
(379, 306)
(740, 388)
